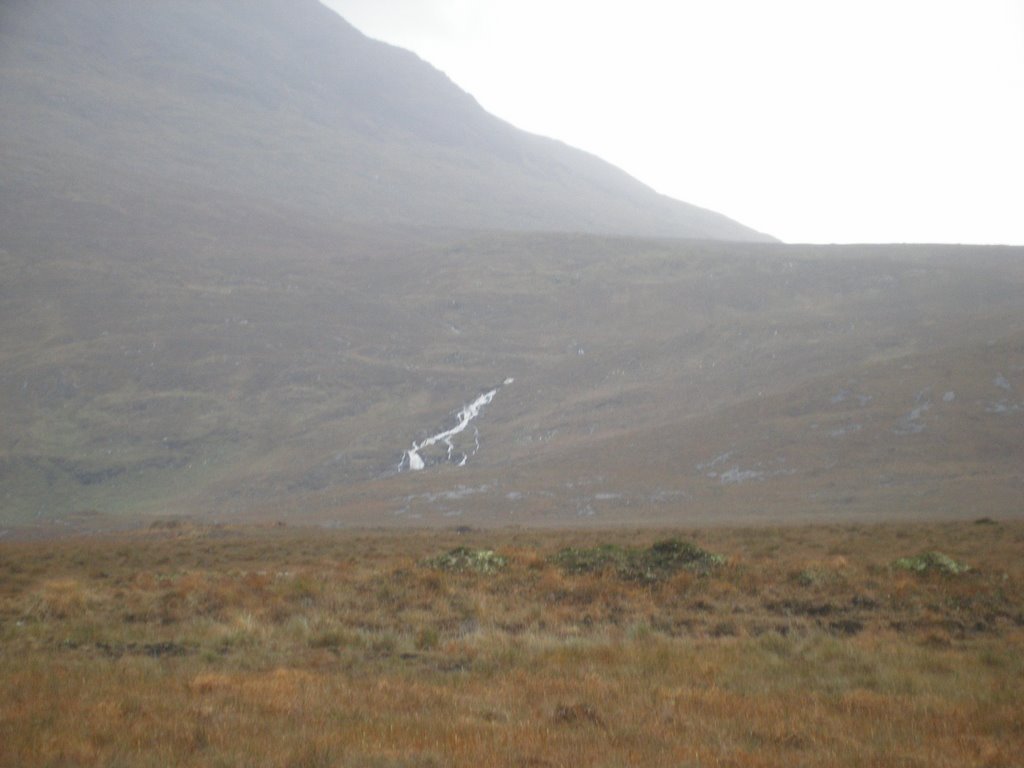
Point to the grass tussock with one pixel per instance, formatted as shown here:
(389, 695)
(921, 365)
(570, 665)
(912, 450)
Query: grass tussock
(931, 562)
(264, 647)
(468, 559)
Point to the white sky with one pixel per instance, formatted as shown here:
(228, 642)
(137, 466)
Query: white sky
(812, 120)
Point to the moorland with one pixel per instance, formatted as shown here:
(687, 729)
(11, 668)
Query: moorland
(856, 645)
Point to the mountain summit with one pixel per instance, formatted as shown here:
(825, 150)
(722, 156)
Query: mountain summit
(281, 107)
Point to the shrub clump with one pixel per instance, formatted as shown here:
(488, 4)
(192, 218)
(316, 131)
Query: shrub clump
(931, 562)
(654, 563)
(465, 559)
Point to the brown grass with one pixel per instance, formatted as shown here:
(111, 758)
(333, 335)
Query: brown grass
(273, 647)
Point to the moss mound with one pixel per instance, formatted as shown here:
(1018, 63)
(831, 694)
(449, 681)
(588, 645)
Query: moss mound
(465, 559)
(654, 563)
(931, 562)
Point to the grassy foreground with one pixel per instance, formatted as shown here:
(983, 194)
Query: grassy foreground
(739, 647)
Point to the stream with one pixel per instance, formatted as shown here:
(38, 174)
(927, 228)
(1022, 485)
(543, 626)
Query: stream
(413, 459)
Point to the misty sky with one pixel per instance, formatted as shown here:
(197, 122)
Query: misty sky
(866, 121)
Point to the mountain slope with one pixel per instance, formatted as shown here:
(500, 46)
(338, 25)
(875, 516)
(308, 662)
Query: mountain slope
(286, 376)
(280, 105)
(244, 268)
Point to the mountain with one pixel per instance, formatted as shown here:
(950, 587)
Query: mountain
(125, 109)
(250, 265)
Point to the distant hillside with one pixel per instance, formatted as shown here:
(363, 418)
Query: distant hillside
(118, 110)
(654, 381)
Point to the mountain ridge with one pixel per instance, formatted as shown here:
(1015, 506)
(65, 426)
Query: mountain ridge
(291, 106)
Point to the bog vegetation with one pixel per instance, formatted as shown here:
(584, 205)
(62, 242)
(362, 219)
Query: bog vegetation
(211, 646)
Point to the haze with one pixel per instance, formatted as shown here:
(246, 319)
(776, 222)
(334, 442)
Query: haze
(839, 122)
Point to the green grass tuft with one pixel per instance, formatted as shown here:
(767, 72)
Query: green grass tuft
(463, 559)
(931, 562)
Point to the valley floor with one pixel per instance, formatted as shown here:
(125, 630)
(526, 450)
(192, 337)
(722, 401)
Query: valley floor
(211, 646)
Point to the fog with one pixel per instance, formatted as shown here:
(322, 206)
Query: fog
(822, 122)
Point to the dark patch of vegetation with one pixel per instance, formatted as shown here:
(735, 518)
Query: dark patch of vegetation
(152, 650)
(660, 560)
(577, 714)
